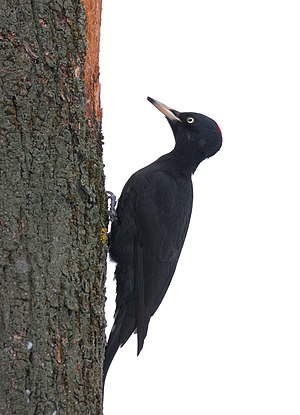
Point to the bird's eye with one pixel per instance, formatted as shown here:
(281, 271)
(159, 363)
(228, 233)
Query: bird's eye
(190, 120)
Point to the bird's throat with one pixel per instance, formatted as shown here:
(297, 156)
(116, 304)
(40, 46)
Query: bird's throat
(182, 162)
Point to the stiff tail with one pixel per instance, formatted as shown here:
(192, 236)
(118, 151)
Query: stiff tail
(122, 329)
(111, 349)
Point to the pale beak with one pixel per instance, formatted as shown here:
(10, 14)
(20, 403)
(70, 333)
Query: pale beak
(168, 112)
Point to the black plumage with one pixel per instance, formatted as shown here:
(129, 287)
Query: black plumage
(153, 215)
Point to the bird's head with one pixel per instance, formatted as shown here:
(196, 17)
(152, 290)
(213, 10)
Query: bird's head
(195, 134)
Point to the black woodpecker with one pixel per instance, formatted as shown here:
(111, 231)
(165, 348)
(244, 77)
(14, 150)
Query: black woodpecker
(152, 219)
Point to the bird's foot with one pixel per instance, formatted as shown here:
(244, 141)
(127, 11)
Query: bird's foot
(112, 201)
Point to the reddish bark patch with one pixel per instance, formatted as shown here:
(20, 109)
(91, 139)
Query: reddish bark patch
(93, 10)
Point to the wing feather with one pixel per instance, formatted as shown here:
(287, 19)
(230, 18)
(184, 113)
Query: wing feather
(162, 219)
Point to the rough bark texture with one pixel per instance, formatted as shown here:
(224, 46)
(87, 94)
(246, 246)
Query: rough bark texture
(52, 216)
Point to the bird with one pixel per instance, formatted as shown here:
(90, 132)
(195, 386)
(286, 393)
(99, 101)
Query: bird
(151, 222)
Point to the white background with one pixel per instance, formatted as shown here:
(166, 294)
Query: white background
(226, 338)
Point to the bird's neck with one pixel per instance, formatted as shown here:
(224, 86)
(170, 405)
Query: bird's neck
(184, 164)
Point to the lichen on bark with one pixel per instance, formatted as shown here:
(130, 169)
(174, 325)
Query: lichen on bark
(52, 215)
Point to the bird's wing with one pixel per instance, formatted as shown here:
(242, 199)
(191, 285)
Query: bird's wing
(162, 214)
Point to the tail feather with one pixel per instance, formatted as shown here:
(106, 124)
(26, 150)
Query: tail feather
(142, 329)
(122, 329)
(111, 349)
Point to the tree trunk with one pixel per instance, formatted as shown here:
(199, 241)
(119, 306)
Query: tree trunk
(53, 209)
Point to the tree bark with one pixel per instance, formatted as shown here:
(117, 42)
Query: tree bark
(53, 209)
